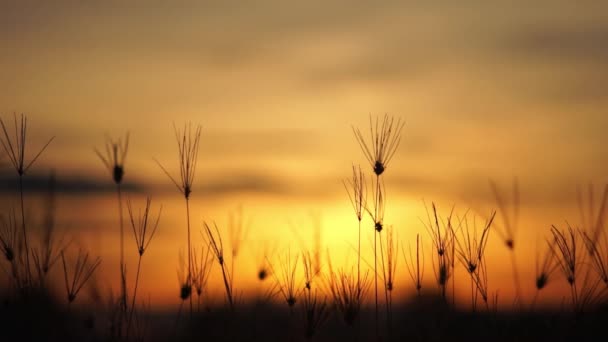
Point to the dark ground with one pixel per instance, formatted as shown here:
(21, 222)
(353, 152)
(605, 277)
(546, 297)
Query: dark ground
(422, 319)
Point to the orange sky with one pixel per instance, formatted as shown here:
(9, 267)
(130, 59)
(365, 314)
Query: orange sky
(487, 91)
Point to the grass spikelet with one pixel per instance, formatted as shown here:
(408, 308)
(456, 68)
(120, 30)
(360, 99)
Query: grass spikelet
(202, 269)
(384, 139)
(141, 225)
(286, 278)
(217, 245)
(81, 272)
(470, 248)
(565, 250)
(347, 294)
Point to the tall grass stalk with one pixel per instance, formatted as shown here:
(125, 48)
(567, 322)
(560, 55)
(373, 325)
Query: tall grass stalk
(187, 145)
(114, 161)
(384, 139)
(142, 235)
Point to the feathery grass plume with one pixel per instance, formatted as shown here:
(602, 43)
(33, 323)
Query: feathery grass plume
(347, 294)
(470, 249)
(356, 189)
(142, 235)
(415, 267)
(384, 140)
(264, 259)
(508, 232)
(216, 244)
(599, 256)
(187, 146)
(593, 223)
(12, 248)
(82, 271)
(309, 272)
(202, 270)
(566, 254)
(315, 314)
(544, 269)
(113, 158)
(286, 278)
(184, 278)
(9, 236)
(238, 230)
(443, 240)
(15, 148)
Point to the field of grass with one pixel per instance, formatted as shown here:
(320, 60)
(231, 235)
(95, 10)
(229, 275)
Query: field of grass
(307, 297)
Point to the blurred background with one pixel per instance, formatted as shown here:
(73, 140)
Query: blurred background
(488, 91)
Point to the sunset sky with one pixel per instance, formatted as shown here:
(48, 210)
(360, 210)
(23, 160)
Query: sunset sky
(487, 91)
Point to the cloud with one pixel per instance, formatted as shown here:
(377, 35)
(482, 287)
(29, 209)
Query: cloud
(64, 184)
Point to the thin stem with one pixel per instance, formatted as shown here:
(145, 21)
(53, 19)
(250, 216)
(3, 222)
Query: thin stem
(27, 250)
(123, 283)
(228, 289)
(134, 295)
(376, 283)
(376, 204)
(189, 251)
(359, 260)
(388, 314)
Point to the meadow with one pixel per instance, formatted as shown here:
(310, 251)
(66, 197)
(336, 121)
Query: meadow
(51, 291)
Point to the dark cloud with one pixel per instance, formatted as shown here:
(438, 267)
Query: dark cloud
(66, 184)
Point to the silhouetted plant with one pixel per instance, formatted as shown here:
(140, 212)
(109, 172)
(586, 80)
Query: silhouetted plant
(470, 249)
(187, 145)
(315, 313)
(202, 269)
(15, 149)
(217, 246)
(544, 269)
(286, 278)
(415, 266)
(347, 294)
(508, 231)
(566, 245)
(113, 158)
(442, 237)
(51, 247)
(357, 193)
(141, 225)
(383, 141)
(238, 231)
(81, 272)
